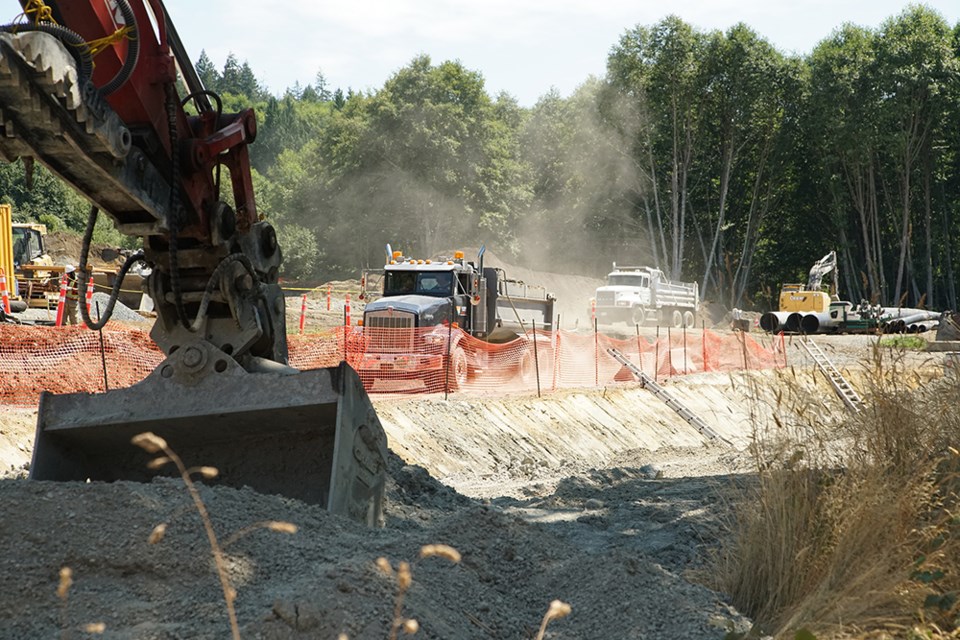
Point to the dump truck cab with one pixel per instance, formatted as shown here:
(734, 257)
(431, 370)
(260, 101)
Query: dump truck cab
(638, 295)
(425, 293)
(416, 328)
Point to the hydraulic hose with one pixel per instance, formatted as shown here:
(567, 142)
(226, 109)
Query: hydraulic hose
(214, 281)
(133, 50)
(115, 292)
(200, 107)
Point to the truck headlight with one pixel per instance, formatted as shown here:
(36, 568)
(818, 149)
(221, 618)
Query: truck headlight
(434, 338)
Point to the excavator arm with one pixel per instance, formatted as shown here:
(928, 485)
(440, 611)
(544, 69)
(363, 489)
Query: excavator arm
(116, 129)
(91, 89)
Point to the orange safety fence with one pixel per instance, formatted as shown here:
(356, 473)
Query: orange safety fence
(68, 360)
(431, 360)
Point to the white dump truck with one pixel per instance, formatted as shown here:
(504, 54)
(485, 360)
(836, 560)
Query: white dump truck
(640, 295)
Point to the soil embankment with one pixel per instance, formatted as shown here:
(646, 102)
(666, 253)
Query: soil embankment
(604, 499)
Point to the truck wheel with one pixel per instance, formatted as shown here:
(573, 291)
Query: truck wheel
(18, 306)
(458, 369)
(527, 367)
(689, 320)
(639, 315)
(676, 319)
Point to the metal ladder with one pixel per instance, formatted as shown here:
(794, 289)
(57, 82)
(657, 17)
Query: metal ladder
(843, 388)
(669, 400)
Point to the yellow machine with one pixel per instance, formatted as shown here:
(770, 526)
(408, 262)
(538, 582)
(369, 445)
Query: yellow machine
(798, 301)
(811, 298)
(31, 275)
(796, 297)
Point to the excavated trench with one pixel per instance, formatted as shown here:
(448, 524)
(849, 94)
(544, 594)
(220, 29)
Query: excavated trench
(605, 499)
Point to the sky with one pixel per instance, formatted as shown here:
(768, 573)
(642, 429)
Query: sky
(521, 47)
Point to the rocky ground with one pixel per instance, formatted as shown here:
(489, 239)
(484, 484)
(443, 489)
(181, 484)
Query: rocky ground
(603, 499)
(620, 527)
(618, 543)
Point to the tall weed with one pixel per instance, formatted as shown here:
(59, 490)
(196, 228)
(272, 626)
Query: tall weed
(851, 527)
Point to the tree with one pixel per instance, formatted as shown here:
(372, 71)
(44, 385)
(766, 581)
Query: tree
(915, 65)
(423, 163)
(659, 68)
(321, 87)
(743, 77)
(44, 195)
(841, 123)
(207, 72)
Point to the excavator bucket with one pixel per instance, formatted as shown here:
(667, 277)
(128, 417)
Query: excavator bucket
(311, 435)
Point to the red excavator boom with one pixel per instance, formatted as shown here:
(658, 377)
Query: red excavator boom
(89, 88)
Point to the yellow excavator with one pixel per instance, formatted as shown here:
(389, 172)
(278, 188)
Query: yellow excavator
(28, 269)
(799, 300)
(120, 132)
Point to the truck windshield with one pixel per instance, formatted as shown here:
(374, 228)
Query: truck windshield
(624, 280)
(427, 283)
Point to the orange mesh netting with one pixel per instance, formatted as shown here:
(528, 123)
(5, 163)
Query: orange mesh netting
(67, 360)
(431, 360)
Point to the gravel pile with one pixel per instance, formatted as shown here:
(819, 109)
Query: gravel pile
(601, 544)
(121, 312)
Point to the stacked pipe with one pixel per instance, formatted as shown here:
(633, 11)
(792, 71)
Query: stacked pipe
(774, 321)
(909, 320)
(816, 322)
(893, 320)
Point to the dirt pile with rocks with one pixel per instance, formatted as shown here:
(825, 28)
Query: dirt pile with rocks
(603, 499)
(64, 247)
(618, 541)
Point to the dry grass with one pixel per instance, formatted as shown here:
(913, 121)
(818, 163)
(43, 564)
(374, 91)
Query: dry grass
(852, 529)
(63, 592)
(154, 444)
(402, 574)
(404, 579)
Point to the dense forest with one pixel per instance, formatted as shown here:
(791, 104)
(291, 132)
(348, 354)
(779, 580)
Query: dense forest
(710, 154)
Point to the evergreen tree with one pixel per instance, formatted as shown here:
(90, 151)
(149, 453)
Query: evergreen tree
(208, 72)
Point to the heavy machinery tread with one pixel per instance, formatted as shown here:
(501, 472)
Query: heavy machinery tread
(45, 116)
(54, 69)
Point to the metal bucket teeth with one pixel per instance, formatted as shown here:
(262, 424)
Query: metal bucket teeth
(52, 114)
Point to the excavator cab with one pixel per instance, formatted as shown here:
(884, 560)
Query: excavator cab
(225, 397)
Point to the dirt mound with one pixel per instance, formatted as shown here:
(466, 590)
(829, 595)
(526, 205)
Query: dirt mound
(64, 247)
(322, 580)
(615, 542)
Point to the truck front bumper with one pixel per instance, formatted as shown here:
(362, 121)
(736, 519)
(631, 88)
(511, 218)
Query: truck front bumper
(608, 315)
(399, 363)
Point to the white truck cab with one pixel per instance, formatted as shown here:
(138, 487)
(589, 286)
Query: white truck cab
(640, 295)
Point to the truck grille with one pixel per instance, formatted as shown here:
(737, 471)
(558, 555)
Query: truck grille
(389, 331)
(606, 298)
